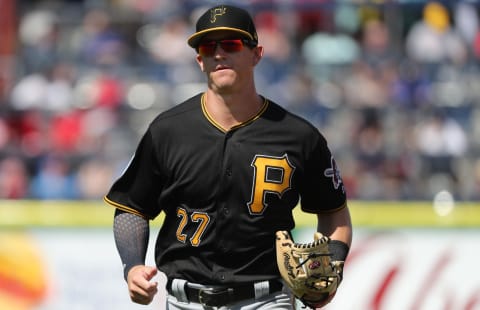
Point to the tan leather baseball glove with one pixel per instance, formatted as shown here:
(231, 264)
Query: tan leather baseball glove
(307, 269)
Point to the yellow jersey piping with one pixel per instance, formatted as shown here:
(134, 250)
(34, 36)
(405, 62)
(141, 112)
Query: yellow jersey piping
(250, 120)
(123, 207)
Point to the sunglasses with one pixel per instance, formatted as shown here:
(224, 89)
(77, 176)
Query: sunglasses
(208, 48)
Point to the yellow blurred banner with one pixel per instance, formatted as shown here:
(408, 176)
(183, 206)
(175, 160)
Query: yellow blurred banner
(376, 214)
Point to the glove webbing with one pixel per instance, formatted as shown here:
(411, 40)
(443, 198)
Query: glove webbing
(312, 255)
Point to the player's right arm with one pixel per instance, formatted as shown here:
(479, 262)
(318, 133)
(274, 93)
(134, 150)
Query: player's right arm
(131, 233)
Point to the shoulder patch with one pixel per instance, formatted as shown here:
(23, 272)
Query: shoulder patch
(334, 173)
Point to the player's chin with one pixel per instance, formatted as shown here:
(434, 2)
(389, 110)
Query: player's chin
(224, 77)
(224, 86)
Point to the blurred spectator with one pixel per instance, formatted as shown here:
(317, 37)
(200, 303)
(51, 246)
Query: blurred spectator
(475, 129)
(99, 88)
(375, 89)
(49, 90)
(96, 42)
(153, 8)
(377, 50)
(107, 90)
(89, 82)
(441, 136)
(370, 142)
(411, 87)
(94, 178)
(276, 61)
(64, 132)
(440, 141)
(95, 125)
(432, 39)
(298, 95)
(329, 47)
(38, 32)
(29, 130)
(165, 43)
(59, 92)
(476, 46)
(324, 51)
(5, 134)
(54, 179)
(13, 178)
(466, 21)
(29, 92)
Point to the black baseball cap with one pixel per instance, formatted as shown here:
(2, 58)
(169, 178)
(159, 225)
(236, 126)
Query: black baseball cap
(224, 17)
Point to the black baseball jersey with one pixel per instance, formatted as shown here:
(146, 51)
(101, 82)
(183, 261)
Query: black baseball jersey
(225, 194)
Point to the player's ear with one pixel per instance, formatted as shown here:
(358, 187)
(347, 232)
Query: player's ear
(257, 54)
(199, 60)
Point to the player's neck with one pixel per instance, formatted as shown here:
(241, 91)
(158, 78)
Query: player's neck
(231, 109)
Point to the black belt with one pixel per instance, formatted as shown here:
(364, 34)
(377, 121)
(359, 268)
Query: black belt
(216, 297)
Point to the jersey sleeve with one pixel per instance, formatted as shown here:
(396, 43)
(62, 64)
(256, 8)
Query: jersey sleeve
(323, 188)
(138, 188)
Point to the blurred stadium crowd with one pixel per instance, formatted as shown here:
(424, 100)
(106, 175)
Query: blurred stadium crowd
(393, 85)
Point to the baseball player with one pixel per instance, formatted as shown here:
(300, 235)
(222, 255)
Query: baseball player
(227, 167)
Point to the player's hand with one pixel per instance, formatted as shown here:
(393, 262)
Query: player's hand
(141, 288)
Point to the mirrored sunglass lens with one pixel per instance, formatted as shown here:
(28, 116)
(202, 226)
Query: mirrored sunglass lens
(231, 45)
(207, 48)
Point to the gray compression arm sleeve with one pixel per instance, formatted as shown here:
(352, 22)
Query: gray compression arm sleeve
(131, 233)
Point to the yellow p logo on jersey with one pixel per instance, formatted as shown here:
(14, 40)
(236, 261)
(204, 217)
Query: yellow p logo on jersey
(271, 175)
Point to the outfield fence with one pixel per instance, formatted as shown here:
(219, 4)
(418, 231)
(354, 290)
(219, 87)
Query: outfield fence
(370, 214)
(57, 255)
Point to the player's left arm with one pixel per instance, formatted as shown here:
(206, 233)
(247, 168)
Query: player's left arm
(337, 225)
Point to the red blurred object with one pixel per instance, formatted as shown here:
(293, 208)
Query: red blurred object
(66, 131)
(110, 92)
(476, 46)
(7, 44)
